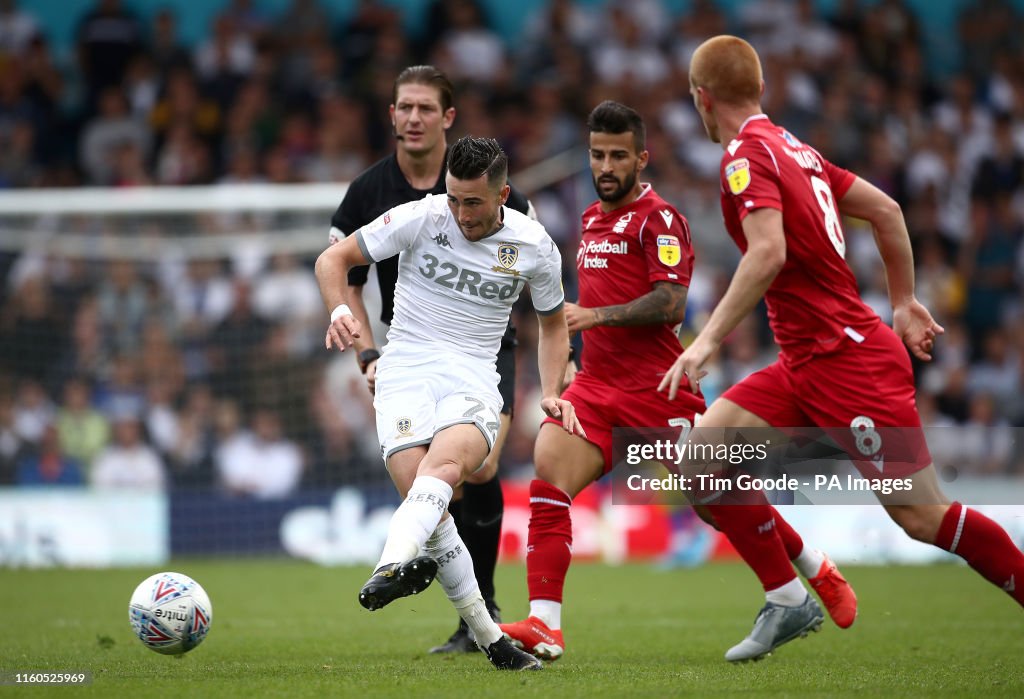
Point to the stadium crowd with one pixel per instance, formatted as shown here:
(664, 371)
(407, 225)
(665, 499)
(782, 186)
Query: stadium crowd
(179, 372)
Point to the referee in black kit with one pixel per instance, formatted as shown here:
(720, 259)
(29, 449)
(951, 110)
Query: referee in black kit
(421, 112)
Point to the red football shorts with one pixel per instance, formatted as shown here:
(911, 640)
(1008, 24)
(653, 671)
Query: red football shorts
(601, 407)
(862, 395)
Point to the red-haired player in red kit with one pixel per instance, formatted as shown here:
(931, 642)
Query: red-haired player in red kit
(634, 265)
(840, 368)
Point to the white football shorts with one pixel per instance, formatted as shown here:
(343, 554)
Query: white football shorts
(413, 403)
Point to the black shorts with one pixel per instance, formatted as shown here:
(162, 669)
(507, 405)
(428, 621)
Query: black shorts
(506, 366)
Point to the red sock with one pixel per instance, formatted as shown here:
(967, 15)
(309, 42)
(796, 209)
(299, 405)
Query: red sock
(549, 544)
(753, 531)
(790, 539)
(985, 546)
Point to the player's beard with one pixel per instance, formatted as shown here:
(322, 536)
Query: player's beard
(619, 192)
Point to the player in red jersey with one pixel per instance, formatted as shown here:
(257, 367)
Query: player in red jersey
(634, 264)
(840, 368)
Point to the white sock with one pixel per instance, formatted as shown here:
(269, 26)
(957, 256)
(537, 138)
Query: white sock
(792, 594)
(474, 612)
(454, 564)
(456, 576)
(415, 519)
(547, 611)
(809, 562)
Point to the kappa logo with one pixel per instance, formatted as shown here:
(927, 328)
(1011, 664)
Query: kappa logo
(442, 241)
(508, 255)
(404, 426)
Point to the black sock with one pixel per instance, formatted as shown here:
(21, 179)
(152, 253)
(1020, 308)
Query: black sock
(482, 509)
(455, 510)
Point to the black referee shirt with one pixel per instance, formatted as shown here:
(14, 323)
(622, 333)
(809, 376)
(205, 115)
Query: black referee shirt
(382, 187)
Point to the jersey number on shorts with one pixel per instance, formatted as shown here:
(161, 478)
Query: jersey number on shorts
(869, 442)
(685, 426)
(823, 193)
(477, 408)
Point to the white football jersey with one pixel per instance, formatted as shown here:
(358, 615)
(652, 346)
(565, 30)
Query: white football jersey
(454, 294)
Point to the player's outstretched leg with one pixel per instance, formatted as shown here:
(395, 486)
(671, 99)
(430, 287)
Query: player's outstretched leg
(549, 553)
(824, 577)
(455, 574)
(790, 611)
(980, 541)
(395, 580)
(400, 572)
(777, 624)
(478, 517)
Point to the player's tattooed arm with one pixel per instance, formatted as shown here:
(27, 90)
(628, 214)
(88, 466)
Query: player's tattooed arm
(665, 303)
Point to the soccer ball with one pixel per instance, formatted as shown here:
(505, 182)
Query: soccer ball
(170, 613)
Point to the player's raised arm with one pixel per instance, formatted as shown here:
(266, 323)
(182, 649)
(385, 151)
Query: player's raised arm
(911, 320)
(364, 344)
(761, 263)
(332, 275)
(552, 356)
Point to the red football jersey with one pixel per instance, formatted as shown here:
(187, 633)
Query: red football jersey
(622, 254)
(814, 303)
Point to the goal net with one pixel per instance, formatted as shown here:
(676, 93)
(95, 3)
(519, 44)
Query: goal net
(171, 340)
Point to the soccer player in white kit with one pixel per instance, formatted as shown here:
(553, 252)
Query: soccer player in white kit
(464, 259)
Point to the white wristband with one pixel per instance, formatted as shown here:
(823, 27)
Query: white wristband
(339, 311)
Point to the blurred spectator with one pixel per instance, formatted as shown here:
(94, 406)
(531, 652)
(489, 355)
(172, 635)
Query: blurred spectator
(227, 52)
(1002, 170)
(182, 104)
(33, 411)
(987, 262)
(83, 431)
(112, 128)
(341, 152)
(190, 453)
(122, 306)
(998, 374)
(623, 55)
(122, 392)
(468, 49)
(183, 159)
(10, 442)
(986, 440)
(108, 38)
(288, 295)
(31, 335)
(234, 349)
(45, 464)
(128, 462)
(17, 28)
(165, 47)
(261, 464)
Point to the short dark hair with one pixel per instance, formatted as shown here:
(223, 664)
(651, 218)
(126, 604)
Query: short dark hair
(470, 158)
(429, 76)
(615, 118)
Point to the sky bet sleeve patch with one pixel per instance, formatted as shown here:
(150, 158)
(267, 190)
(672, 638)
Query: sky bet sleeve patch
(669, 251)
(737, 173)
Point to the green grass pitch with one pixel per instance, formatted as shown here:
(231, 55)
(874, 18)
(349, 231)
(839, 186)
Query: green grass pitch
(291, 629)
